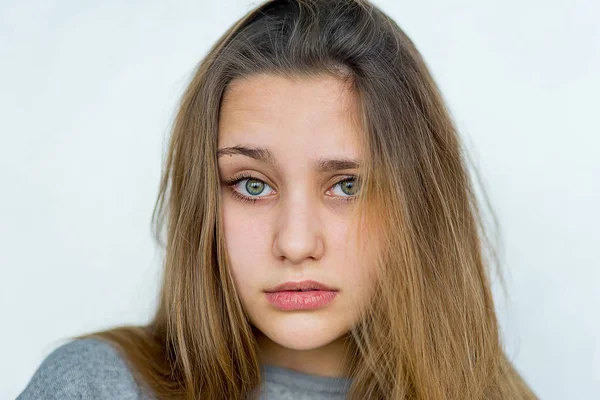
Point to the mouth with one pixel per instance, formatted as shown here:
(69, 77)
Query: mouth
(303, 286)
(297, 300)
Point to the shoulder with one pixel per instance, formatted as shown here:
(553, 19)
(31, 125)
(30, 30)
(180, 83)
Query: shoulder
(83, 369)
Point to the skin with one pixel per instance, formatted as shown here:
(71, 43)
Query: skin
(299, 228)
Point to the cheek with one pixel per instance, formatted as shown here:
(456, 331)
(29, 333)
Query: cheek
(343, 256)
(353, 258)
(246, 236)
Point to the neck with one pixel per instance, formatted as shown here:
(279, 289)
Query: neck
(328, 360)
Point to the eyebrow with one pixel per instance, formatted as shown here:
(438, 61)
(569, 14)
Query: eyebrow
(267, 157)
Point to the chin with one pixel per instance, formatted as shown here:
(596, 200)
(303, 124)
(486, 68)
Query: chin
(302, 343)
(302, 334)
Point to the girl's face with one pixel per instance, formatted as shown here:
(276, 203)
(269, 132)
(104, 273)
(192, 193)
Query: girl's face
(288, 154)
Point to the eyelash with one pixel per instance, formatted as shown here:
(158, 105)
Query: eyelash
(245, 199)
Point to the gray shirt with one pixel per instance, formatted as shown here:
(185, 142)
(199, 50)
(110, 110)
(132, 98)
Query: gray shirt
(93, 369)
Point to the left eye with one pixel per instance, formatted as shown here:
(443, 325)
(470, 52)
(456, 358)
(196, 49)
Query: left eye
(348, 187)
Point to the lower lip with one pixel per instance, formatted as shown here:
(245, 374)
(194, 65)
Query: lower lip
(309, 300)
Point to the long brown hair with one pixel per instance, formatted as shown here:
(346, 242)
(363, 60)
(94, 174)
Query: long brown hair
(431, 331)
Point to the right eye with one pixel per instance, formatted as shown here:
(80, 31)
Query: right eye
(248, 188)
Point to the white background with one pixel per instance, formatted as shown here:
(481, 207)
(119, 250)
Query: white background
(88, 91)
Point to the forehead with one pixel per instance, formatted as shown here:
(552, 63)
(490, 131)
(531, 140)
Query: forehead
(299, 116)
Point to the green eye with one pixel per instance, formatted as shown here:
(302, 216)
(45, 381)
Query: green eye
(349, 187)
(255, 187)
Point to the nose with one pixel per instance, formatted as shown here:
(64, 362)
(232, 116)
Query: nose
(298, 233)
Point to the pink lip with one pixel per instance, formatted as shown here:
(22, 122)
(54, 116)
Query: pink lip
(294, 300)
(304, 295)
(303, 285)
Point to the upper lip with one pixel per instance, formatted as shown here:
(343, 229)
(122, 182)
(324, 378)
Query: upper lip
(304, 285)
